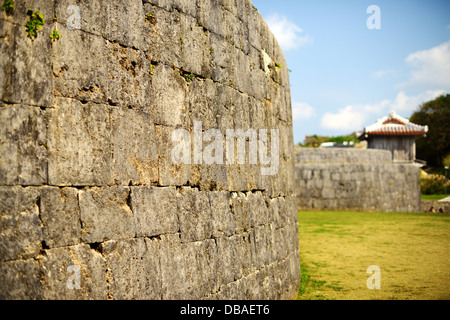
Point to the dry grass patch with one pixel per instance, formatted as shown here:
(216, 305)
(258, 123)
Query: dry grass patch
(411, 249)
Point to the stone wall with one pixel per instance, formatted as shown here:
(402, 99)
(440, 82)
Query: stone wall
(92, 205)
(426, 205)
(355, 179)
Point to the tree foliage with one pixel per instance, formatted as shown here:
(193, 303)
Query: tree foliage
(436, 145)
(315, 141)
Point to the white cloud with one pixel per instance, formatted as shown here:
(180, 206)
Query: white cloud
(382, 73)
(407, 105)
(430, 67)
(352, 118)
(301, 111)
(286, 32)
(347, 119)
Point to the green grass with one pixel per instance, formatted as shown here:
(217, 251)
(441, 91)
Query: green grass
(434, 196)
(411, 249)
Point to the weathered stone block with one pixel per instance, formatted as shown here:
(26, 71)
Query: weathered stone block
(258, 210)
(25, 62)
(73, 273)
(23, 145)
(60, 216)
(203, 104)
(222, 217)
(80, 144)
(169, 102)
(119, 75)
(134, 269)
(171, 173)
(20, 280)
(195, 216)
(200, 268)
(105, 214)
(162, 35)
(173, 283)
(155, 210)
(240, 207)
(135, 148)
(196, 51)
(21, 228)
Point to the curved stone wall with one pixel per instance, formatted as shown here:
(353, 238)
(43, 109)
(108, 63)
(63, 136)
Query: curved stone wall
(94, 201)
(355, 179)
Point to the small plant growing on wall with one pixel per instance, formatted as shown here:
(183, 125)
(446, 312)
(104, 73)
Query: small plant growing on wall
(8, 6)
(150, 18)
(35, 23)
(55, 35)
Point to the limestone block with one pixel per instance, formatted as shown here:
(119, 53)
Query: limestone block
(245, 250)
(291, 210)
(274, 212)
(105, 214)
(264, 242)
(128, 78)
(118, 75)
(125, 22)
(195, 216)
(23, 145)
(211, 16)
(79, 144)
(280, 238)
(162, 35)
(155, 210)
(227, 260)
(88, 16)
(189, 7)
(212, 177)
(224, 101)
(169, 102)
(135, 147)
(73, 273)
(171, 172)
(200, 267)
(196, 51)
(283, 212)
(173, 272)
(60, 216)
(25, 63)
(203, 104)
(223, 59)
(120, 21)
(258, 209)
(240, 207)
(222, 217)
(86, 81)
(134, 268)
(21, 228)
(20, 280)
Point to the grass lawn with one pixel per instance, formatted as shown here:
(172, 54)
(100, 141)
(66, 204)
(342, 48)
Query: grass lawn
(434, 196)
(412, 251)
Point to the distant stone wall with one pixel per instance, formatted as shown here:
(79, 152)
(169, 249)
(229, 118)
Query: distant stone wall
(92, 205)
(355, 179)
(426, 205)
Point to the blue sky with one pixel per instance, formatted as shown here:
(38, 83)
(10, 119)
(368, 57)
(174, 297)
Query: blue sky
(346, 76)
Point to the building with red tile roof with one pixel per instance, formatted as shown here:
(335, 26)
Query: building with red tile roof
(396, 134)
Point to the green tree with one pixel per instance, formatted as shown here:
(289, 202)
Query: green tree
(436, 145)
